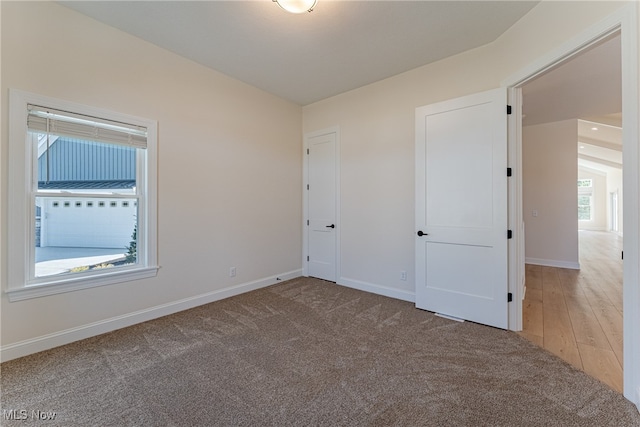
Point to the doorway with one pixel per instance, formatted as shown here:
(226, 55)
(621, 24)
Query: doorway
(571, 308)
(624, 23)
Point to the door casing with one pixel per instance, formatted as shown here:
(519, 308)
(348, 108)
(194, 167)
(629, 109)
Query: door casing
(624, 21)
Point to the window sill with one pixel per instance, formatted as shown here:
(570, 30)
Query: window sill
(70, 285)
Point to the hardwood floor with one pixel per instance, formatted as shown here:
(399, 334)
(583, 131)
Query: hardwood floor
(577, 314)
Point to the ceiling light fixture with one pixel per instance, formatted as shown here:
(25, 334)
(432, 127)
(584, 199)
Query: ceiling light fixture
(594, 128)
(297, 6)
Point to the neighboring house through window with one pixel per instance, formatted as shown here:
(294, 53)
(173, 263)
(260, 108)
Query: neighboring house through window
(83, 197)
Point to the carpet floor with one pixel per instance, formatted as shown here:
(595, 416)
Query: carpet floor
(305, 353)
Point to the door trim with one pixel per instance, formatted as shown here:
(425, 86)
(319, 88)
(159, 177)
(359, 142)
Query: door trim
(624, 20)
(305, 197)
(515, 246)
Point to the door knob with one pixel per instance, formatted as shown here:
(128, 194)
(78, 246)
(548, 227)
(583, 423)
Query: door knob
(331, 226)
(420, 233)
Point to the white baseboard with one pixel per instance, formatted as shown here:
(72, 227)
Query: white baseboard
(593, 229)
(378, 289)
(553, 263)
(46, 342)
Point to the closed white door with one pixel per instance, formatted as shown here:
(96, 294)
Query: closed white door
(321, 226)
(461, 208)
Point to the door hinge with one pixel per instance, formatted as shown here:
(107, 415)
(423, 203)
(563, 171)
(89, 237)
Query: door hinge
(307, 186)
(307, 258)
(307, 222)
(509, 297)
(509, 234)
(508, 109)
(307, 151)
(509, 171)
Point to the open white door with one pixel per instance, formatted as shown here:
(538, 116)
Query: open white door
(321, 193)
(461, 208)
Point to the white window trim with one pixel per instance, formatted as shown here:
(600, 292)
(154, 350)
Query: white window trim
(20, 210)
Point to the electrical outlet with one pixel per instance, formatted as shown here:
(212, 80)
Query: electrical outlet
(534, 213)
(403, 275)
(232, 272)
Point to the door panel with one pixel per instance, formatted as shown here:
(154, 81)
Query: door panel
(461, 154)
(461, 205)
(322, 206)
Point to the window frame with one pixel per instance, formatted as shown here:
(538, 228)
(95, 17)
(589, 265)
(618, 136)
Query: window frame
(22, 283)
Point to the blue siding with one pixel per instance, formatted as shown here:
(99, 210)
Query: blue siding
(77, 160)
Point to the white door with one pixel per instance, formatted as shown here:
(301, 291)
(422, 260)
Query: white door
(461, 208)
(321, 228)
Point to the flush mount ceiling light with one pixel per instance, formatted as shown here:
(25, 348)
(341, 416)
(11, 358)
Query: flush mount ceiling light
(297, 6)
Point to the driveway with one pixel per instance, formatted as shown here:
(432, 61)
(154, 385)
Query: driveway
(56, 260)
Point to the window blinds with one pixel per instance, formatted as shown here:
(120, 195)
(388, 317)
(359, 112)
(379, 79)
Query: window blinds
(63, 123)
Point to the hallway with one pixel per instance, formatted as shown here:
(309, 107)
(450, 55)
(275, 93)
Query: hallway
(577, 314)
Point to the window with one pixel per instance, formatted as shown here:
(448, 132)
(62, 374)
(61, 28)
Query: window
(77, 157)
(585, 199)
(582, 183)
(584, 208)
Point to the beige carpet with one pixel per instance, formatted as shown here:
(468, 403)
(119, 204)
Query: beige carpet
(307, 353)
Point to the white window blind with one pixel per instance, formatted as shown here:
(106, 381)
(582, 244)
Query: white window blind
(63, 123)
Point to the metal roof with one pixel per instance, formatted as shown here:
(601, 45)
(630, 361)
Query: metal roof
(87, 185)
(68, 159)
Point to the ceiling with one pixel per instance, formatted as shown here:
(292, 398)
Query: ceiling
(341, 45)
(599, 144)
(588, 87)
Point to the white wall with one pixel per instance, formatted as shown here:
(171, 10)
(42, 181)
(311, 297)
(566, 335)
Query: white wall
(377, 138)
(599, 214)
(229, 169)
(549, 186)
(237, 178)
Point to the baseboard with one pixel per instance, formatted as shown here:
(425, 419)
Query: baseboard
(553, 263)
(46, 342)
(378, 289)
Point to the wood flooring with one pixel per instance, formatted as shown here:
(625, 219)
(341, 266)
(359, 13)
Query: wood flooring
(577, 314)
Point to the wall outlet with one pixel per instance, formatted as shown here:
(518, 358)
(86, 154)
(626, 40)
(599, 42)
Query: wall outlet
(232, 272)
(534, 213)
(403, 275)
